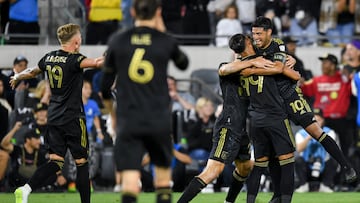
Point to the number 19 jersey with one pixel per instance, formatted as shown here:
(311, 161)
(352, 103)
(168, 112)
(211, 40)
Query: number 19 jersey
(65, 79)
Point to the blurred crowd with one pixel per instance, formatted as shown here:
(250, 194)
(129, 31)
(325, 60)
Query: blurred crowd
(23, 110)
(201, 22)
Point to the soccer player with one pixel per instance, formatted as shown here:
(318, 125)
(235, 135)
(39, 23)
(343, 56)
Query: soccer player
(296, 106)
(270, 129)
(230, 139)
(139, 58)
(66, 118)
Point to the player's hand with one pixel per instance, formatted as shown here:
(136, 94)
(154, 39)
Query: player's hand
(174, 95)
(246, 72)
(13, 81)
(17, 125)
(290, 61)
(261, 62)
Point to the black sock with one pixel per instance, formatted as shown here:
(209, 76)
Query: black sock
(333, 149)
(128, 198)
(235, 187)
(42, 174)
(194, 187)
(163, 195)
(287, 176)
(83, 182)
(253, 182)
(285, 199)
(275, 174)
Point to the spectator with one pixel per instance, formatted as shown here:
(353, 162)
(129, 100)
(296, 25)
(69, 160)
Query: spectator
(200, 130)
(304, 17)
(180, 100)
(331, 92)
(104, 19)
(127, 21)
(41, 94)
(313, 162)
(172, 14)
(216, 8)
(196, 22)
(25, 159)
(5, 109)
(228, 26)
(247, 14)
(337, 20)
(23, 20)
(291, 46)
(20, 64)
(353, 55)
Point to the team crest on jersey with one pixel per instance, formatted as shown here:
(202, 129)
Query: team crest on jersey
(282, 47)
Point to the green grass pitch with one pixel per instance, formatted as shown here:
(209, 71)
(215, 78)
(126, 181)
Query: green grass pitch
(108, 197)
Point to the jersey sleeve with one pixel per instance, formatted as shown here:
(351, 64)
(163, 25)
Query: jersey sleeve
(79, 58)
(179, 57)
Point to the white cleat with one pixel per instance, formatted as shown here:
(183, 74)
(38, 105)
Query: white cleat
(21, 195)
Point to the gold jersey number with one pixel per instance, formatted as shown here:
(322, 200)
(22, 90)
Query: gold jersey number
(55, 74)
(140, 70)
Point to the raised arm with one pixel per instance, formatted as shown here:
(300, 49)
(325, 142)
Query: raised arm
(92, 62)
(6, 141)
(25, 74)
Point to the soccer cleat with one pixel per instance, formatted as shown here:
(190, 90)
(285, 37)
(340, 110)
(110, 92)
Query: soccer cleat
(303, 188)
(324, 188)
(350, 175)
(117, 188)
(72, 187)
(21, 195)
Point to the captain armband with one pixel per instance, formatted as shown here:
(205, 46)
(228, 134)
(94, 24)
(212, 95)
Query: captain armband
(279, 56)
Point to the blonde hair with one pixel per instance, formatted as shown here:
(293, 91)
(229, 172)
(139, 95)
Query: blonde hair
(40, 89)
(201, 102)
(66, 32)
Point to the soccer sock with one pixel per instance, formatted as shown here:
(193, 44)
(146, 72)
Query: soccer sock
(235, 187)
(285, 198)
(163, 195)
(194, 187)
(332, 148)
(128, 198)
(275, 174)
(253, 181)
(83, 182)
(287, 176)
(43, 173)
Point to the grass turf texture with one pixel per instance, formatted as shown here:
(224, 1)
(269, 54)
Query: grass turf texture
(103, 197)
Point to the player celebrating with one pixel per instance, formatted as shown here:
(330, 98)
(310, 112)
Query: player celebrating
(230, 139)
(66, 118)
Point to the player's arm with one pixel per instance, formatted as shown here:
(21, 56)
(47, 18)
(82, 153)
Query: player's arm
(278, 68)
(6, 141)
(291, 73)
(92, 62)
(25, 74)
(180, 59)
(238, 65)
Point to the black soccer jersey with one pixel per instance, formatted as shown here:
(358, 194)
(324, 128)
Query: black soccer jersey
(285, 84)
(66, 80)
(266, 104)
(139, 57)
(235, 104)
